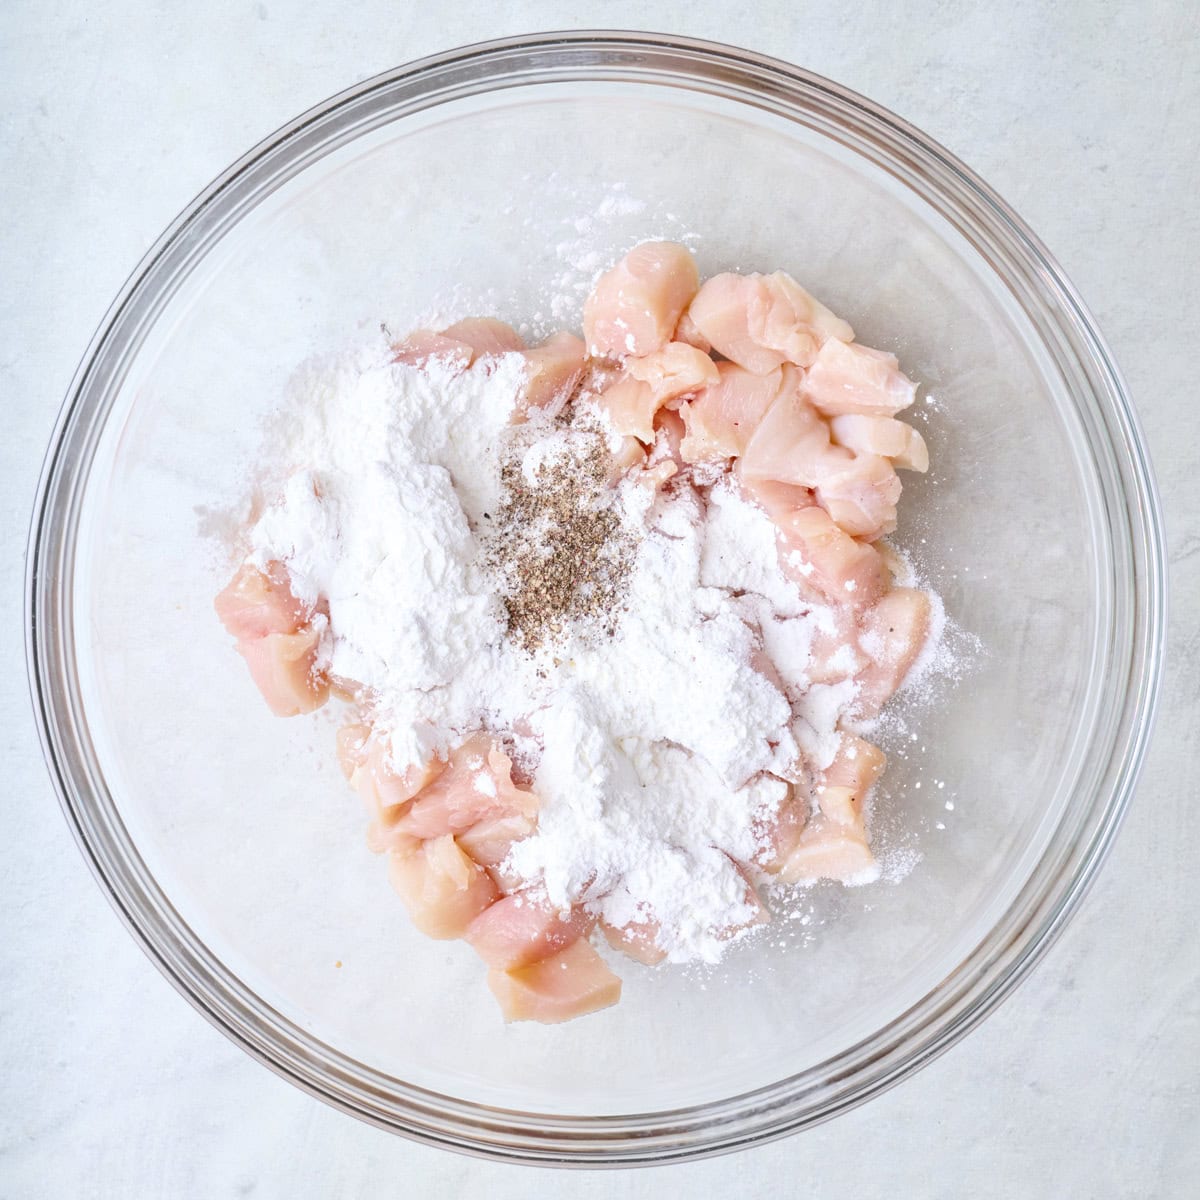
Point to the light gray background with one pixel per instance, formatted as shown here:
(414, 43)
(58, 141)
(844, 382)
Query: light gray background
(1085, 115)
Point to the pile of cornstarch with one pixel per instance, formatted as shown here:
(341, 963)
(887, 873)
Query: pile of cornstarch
(486, 574)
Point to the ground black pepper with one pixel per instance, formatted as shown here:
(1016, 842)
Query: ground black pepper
(558, 544)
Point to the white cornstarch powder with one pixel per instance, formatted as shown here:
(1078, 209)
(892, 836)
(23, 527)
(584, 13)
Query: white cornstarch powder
(656, 745)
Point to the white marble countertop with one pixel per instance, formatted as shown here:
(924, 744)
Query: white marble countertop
(1085, 115)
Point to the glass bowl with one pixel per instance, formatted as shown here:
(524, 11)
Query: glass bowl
(499, 177)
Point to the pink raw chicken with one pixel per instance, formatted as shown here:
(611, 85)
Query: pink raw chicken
(790, 443)
(353, 747)
(485, 336)
(475, 786)
(780, 832)
(443, 889)
(630, 453)
(284, 667)
(276, 638)
(856, 379)
(860, 493)
(489, 842)
(423, 346)
(571, 983)
(364, 761)
(386, 792)
(823, 555)
(828, 850)
(882, 435)
(763, 321)
(522, 929)
(857, 764)
(847, 781)
(554, 369)
(663, 459)
(669, 432)
(674, 370)
(638, 940)
(893, 633)
(254, 604)
(721, 419)
(686, 331)
(635, 307)
(834, 648)
(654, 380)
(816, 552)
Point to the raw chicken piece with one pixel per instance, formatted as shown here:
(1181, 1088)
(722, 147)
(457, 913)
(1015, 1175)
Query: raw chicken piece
(674, 370)
(652, 381)
(843, 806)
(353, 748)
(630, 405)
(780, 501)
(657, 475)
(394, 788)
(343, 688)
(828, 558)
(834, 646)
(857, 764)
(721, 419)
(571, 983)
(485, 336)
(384, 838)
(763, 321)
(387, 792)
(729, 312)
(506, 879)
(790, 443)
(423, 346)
(663, 461)
(882, 435)
(635, 307)
(523, 929)
(781, 833)
(860, 494)
(847, 781)
(793, 308)
(442, 888)
(893, 633)
(856, 379)
(686, 331)
(827, 850)
(284, 667)
(489, 841)
(638, 940)
(816, 552)
(360, 757)
(630, 453)
(669, 432)
(555, 367)
(759, 914)
(254, 604)
(475, 786)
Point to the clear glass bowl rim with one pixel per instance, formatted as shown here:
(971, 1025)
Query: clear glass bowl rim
(1077, 847)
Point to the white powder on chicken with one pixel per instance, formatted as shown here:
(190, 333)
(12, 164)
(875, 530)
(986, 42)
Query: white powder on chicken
(656, 750)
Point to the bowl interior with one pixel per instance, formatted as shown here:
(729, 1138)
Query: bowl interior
(508, 204)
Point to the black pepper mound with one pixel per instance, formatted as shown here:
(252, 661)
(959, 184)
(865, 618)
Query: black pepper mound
(558, 545)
